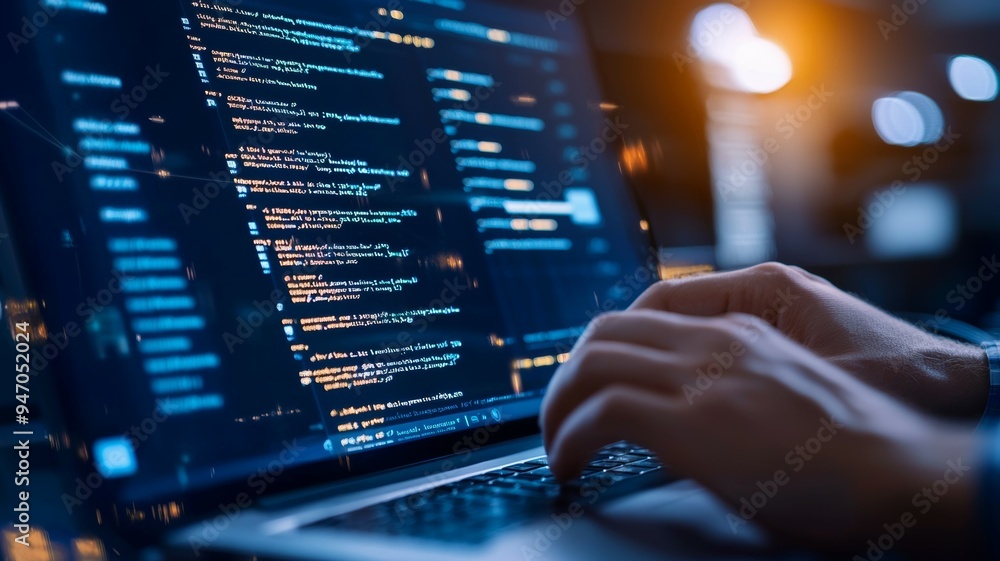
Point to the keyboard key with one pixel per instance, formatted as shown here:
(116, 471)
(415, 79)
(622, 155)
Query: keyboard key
(543, 488)
(521, 468)
(476, 508)
(629, 470)
(484, 478)
(627, 458)
(604, 477)
(531, 476)
(544, 472)
(515, 492)
(605, 464)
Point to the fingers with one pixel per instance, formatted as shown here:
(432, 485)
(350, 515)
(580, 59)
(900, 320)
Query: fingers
(601, 364)
(650, 328)
(616, 413)
(751, 291)
(655, 352)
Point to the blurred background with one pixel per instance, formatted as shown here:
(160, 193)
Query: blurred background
(857, 139)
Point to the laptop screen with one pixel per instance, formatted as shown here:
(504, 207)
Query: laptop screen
(306, 231)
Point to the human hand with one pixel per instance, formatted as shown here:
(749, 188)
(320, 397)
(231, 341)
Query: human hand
(851, 458)
(929, 372)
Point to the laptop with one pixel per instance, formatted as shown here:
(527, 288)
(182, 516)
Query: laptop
(297, 273)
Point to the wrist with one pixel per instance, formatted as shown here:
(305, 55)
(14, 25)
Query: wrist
(973, 369)
(992, 411)
(964, 373)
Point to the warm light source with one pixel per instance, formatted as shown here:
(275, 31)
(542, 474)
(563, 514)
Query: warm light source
(724, 36)
(973, 78)
(718, 30)
(761, 66)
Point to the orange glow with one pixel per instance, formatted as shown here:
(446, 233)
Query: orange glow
(635, 159)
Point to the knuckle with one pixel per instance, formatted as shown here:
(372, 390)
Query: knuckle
(602, 323)
(589, 356)
(602, 349)
(741, 328)
(663, 286)
(607, 404)
(775, 270)
(724, 328)
(804, 273)
(747, 321)
(585, 354)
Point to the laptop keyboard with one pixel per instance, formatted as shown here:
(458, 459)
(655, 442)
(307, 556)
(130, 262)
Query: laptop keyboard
(474, 509)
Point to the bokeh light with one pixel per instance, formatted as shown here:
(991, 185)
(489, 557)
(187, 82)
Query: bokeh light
(724, 35)
(761, 66)
(973, 78)
(718, 30)
(920, 222)
(908, 119)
